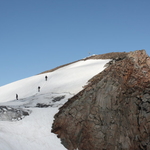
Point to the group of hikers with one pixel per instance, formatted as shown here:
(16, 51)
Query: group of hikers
(38, 88)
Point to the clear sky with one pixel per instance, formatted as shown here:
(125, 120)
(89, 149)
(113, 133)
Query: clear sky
(38, 35)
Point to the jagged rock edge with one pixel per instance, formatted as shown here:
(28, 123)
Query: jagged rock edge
(134, 61)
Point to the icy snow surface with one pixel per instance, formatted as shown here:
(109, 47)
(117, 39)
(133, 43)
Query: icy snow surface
(25, 124)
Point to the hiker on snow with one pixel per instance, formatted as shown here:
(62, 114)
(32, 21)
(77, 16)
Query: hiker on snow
(46, 78)
(16, 96)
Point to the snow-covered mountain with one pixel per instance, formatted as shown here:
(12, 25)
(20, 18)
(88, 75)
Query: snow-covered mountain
(25, 124)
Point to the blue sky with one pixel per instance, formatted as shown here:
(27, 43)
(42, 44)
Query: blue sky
(38, 35)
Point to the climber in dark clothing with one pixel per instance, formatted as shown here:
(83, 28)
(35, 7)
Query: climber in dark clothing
(46, 78)
(16, 96)
(38, 88)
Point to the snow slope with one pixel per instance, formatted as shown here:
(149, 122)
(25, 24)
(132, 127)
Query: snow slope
(25, 124)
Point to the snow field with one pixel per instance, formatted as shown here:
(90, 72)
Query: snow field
(33, 132)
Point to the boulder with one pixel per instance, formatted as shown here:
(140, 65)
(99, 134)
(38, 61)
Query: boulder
(112, 112)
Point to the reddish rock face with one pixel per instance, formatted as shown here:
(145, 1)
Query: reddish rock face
(113, 111)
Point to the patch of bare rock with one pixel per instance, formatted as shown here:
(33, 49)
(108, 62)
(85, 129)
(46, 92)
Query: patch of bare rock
(112, 112)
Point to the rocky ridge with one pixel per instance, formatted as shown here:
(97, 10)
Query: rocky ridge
(113, 110)
(113, 55)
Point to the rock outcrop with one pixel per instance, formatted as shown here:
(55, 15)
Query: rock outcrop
(8, 113)
(113, 110)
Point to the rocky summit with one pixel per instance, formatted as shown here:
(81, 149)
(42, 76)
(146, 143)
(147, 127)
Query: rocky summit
(112, 112)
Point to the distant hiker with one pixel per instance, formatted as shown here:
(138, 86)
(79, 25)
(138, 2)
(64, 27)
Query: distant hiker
(46, 78)
(38, 88)
(16, 96)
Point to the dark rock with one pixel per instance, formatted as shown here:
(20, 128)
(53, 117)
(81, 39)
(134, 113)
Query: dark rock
(42, 105)
(113, 111)
(8, 113)
(58, 98)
